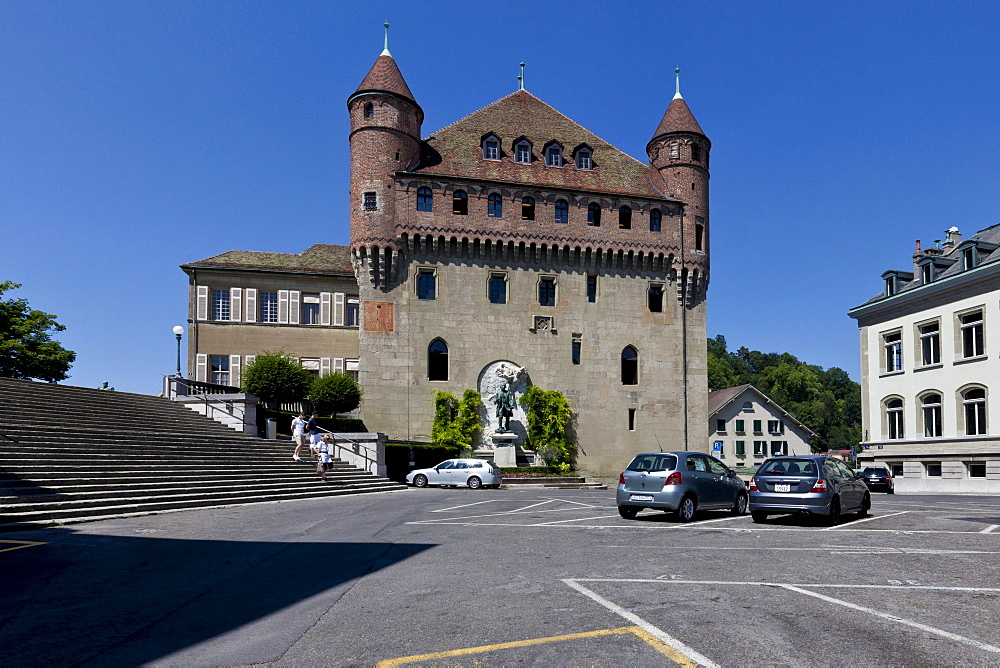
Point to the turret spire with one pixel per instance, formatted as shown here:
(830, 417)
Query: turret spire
(677, 73)
(385, 51)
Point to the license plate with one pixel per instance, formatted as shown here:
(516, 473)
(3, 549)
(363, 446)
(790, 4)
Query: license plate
(640, 497)
(782, 488)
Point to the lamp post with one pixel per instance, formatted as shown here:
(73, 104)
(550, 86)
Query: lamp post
(179, 332)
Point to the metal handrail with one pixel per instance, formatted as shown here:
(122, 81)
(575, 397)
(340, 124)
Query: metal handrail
(345, 438)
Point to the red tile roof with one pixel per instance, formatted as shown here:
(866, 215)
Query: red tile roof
(678, 118)
(384, 76)
(456, 151)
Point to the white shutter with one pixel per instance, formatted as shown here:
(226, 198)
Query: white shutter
(283, 307)
(201, 305)
(201, 367)
(234, 370)
(236, 304)
(293, 306)
(338, 309)
(324, 366)
(250, 359)
(251, 305)
(324, 308)
(338, 365)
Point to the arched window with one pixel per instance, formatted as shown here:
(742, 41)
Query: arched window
(594, 214)
(625, 218)
(974, 405)
(527, 208)
(894, 418)
(655, 220)
(583, 159)
(699, 237)
(630, 366)
(437, 360)
(562, 211)
(494, 208)
(931, 413)
(460, 203)
(425, 199)
(369, 110)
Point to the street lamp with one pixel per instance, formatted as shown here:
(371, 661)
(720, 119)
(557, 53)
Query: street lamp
(179, 331)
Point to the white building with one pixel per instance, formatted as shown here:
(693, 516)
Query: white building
(745, 427)
(930, 354)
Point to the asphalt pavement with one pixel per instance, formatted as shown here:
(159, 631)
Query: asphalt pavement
(498, 577)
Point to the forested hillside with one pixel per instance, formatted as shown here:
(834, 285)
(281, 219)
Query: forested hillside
(826, 401)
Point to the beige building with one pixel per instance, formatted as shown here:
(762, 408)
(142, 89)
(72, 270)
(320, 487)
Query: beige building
(745, 427)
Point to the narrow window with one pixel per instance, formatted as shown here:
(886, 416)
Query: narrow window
(655, 220)
(220, 305)
(926, 273)
(577, 348)
(583, 160)
(491, 149)
(930, 344)
(654, 298)
(460, 203)
(522, 153)
(631, 419)
(426, 285)
(893, 344)
(425, 199)
(369, 110)
(310, 310)
(890, 286)
(630, 366)
(495, 206)
(894, 418)
(741, 448)
(720, 426)
(699, 237)
(594, 214)
(353, 312)
(973, 344)
(675, 150)
(553, 156)
(220, 369)
(371, 201)
(969, 258)
(527, 208)
(547, 292)
(591, 288)
(498, 289)
(562, 211)
(931, 405)
(758, 427)
(437, 360)
(739, 426)
(695, 152)
(268, 302)
(974, 403)
(625, 218)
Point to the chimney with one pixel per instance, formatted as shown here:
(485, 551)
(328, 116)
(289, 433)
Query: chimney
(952, 238)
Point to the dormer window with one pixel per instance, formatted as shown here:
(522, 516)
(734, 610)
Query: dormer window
(970, 258)
(491, 146)
(926, 273)
(522, 151)
(890, 286)
(583, 160)
(553, 155)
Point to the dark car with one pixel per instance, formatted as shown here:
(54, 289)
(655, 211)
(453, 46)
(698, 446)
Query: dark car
(811, 485)
(679, 482)
(878, 479)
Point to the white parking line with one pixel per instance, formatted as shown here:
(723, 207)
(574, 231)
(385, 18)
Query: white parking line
(835, 549)
(464, 505)
(644, 625)
(867, 519)
(990, 528)
(578, 519)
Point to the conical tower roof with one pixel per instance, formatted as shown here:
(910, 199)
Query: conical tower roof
(385, 77)
(678, 119)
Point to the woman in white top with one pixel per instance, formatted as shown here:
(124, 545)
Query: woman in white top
(323, 450)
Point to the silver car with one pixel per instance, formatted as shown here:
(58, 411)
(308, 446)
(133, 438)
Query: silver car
(813, 485)
(475, 473)
(679, 482)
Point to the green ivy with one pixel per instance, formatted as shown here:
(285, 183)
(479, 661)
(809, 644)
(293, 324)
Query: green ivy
(456, 422)
(548, 416)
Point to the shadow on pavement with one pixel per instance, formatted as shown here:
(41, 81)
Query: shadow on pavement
(123, 600)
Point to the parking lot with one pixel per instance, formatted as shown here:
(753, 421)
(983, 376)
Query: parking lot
(495, 577)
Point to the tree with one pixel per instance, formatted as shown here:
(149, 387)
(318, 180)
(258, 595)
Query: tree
(26, 347)
(456, 422)
(276, 378)
(336, 393)
(548, 415)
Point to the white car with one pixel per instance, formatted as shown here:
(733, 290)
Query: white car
(475, 473)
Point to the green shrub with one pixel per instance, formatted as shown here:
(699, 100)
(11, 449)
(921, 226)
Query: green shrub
(456, 422)
(276, 378)
(548, 416)
(335, 393)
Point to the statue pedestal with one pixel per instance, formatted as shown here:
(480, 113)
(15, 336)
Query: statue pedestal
(504, 452)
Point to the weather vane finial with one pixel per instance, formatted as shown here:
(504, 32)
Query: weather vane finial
(677, 73)
(385, 51)
(520, 78)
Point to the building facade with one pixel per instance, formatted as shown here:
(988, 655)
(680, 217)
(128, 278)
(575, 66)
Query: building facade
(929, 360)
(745, 427)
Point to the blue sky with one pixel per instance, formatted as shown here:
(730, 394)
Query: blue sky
(136, 136)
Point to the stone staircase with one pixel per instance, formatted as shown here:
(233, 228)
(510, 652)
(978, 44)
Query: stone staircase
(82, 454)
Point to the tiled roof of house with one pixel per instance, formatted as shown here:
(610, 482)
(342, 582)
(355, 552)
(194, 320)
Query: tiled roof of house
(719, 398)
(990, 236)
(678, 118)
(456, 150)
(384, 76)
(329, 259)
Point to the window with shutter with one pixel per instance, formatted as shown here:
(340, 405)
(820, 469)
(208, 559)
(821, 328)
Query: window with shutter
(201, 307)
(201, 367)
(294, 297)
(283, 307)
(324, 366)
(236, 304)
(338, 365)
(338, 309)
(235, 369)
(324, 308)
(250, 359)
(251, 304)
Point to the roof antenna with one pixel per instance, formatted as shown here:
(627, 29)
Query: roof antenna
(677, 73)
(385, 51)
(520, 78)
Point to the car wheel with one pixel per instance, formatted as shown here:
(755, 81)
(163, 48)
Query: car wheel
(475, 483)
(740, 507)
(834, 516)
(420, 481)
(866, 505)
(628, 512)
(758, 517)
(685, 512)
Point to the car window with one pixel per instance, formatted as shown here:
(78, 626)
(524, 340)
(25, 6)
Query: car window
(790, 467)
(830, 468)
(461, 465)
(446, 465)
(696, 463)
(845, 470)
(476, 465)
(715, 466)
(653, 462)
(873, 471)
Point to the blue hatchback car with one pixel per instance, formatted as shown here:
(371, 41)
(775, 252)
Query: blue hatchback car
(811, 485)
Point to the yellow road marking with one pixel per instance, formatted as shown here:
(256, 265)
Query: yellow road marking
(652, 641)
(18, 544)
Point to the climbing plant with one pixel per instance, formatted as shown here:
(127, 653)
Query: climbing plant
(548, 416)
(456, 422)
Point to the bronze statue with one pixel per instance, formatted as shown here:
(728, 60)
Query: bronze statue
(504, 400)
